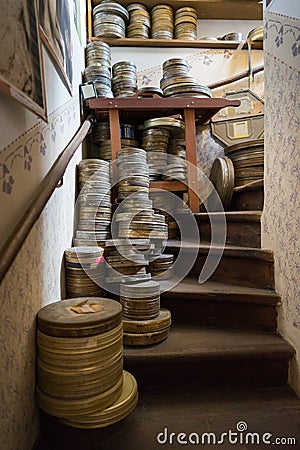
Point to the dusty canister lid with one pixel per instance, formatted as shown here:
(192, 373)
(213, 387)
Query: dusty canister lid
(83, 316)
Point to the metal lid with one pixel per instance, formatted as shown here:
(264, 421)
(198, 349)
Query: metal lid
(82, 316)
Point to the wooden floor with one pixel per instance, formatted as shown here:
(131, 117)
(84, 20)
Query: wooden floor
(274, 411)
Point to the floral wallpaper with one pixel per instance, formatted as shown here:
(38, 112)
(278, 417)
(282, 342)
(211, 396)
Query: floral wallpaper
(34, 278)
(37, 137)
(281, 220)
(25, 161)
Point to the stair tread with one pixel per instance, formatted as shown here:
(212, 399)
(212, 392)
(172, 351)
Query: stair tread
(190, 288)
(236, 216)
(228, 250)
(190, 341)
(187, 410)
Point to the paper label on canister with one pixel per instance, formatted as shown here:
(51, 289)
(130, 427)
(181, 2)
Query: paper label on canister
(240, 130)
(86, 309)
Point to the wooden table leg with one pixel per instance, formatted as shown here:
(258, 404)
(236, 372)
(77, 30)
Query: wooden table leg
(114, 123)
(191, 156)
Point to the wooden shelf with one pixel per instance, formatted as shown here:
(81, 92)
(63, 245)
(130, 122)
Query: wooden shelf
(141, 108)
(137, 109)
(211, 9)
(173, 186)
(174, 43)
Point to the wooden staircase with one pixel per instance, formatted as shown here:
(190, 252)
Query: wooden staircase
(224, 361)
(224, 331)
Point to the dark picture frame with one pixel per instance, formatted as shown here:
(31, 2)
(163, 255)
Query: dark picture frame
(21, 64)
(55, 32)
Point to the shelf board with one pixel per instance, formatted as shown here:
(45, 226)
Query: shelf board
(174, 43)
(174, 186)
(143, 108)
(211, 9)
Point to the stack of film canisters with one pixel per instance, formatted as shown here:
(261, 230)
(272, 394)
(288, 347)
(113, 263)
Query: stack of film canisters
(248, 161)
(185, 22)
(80, 377)
(124, 79)
(162, 22)
(109, 20)
(94, 202)
(177, 82)
(144, 322)
(155, 141)
(84, 267)
(139, 21)
(98, 68)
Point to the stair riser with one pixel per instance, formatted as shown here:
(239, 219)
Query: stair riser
(219, 314)
(242, 234)
(247, 200)
(243, 271)
(167, 372)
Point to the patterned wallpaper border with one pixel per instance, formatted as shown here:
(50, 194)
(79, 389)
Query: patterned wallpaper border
(282, 39)
(39, 138)
(282, 15)
(206, 65)
(195, 57)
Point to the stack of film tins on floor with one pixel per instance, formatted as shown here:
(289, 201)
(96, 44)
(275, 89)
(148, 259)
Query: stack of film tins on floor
(109, 20)
(80, 363)
(101, 138)
(143, 321)
(85, 273)
(177, 82)
(98, 68)
(186, 24)
(162, 22)
(139, 21)
(124, 79)
(95, 206)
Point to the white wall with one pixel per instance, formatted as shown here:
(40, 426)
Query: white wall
(145, 57)
(280, 231)
(28, 148)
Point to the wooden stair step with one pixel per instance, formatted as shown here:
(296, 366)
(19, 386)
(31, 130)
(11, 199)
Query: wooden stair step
(229, 250)
(203, 343)
(243, 227)
(275, 411)
(248, 198)
(221, 305)
(190, 288)
(242, 266)
(194, 354)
